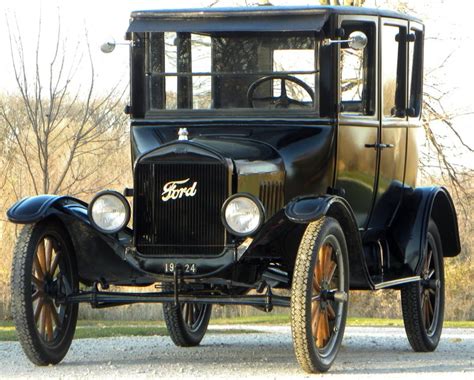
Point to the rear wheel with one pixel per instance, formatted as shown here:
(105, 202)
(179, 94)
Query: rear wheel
(186, 323)
(423, 302)
(319, 295)
(43, 271)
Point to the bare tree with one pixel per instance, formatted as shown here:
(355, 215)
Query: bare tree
(55, 122)
(440, 159)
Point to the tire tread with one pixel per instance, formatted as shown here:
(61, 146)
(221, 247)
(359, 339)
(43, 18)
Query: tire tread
(19, 311)
(411, 306)
(176, 328)
(26, 330)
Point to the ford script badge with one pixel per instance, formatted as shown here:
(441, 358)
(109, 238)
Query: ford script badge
(175, 190)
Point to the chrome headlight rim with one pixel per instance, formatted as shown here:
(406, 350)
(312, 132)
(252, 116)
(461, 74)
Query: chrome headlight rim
(261, 210)
(122, 199)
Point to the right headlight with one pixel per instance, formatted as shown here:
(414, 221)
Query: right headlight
(109, 211)
(242, 214)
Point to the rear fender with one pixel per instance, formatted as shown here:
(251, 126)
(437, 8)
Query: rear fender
(410, 225)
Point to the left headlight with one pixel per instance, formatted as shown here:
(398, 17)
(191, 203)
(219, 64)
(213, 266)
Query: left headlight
(109, 211)
(242, 214)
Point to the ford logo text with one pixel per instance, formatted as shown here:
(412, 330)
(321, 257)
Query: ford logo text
(172, 190)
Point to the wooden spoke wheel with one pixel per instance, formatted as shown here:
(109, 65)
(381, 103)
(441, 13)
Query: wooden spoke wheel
(45, 279)
(323, 309)
(186, 323)
(319, 295)
(43, 273)
(423, 302)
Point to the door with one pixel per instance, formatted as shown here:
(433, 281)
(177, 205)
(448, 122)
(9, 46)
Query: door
(393, 111)
(358, 120)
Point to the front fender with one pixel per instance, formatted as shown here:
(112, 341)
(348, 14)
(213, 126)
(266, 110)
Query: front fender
(34, 209)
(310, 208)
(304, 210)
(100, 257)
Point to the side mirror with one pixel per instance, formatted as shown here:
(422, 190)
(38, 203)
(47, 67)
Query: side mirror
(357, 40)
(108, 46)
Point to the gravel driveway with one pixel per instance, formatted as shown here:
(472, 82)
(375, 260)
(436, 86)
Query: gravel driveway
(266, 353)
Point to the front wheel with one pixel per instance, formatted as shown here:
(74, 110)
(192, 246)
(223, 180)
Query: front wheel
(423, 302)
(44, 271)
(186, 323)
(319, 295)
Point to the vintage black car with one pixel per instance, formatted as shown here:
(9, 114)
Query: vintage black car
(273, 148)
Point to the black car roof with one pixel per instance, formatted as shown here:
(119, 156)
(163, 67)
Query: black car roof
(262, 18)
(267, 10)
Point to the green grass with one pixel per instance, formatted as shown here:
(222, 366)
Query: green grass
(279, 319)
(107, 329)
(103, 329)
(263, 319)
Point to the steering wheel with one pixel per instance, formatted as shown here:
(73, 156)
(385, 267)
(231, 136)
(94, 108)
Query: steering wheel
(282, 101)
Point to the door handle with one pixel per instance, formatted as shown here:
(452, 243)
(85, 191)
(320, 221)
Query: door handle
(379, 146)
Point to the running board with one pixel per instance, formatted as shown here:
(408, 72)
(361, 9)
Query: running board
(392, 283)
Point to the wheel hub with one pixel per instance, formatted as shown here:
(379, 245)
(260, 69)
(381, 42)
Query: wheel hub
(324, 294)
(51, 288)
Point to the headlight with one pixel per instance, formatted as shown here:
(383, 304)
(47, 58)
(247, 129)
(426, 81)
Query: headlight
(242, 214)
(109, 211)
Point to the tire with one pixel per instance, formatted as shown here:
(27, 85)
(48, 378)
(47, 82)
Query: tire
(423, 302)
(186, 323)
(43, 266)
(319, 299)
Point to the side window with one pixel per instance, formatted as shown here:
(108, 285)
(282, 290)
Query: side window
(393, 70)
(415, 84)
(357, 71)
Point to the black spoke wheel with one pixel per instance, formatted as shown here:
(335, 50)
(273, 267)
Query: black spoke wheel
(319, 295)
(43, 272)
(186, 323)
(423, 302)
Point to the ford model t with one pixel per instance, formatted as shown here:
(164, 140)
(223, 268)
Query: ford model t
(273, 149)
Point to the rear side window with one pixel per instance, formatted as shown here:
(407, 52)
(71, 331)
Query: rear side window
(357, 71)
(415, 84)
(393, 70)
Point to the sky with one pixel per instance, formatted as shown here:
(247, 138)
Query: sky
(448, 27)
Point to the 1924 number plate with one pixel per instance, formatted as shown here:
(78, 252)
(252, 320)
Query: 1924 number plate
(186, 268)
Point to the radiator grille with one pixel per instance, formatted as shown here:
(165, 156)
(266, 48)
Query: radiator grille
(271, 195)
(189, 225)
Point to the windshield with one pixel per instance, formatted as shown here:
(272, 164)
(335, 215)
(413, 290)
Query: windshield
(264, 71)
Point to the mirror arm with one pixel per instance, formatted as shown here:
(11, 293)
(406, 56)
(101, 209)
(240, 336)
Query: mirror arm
(329, 42)
(357, 40)
(109, 46)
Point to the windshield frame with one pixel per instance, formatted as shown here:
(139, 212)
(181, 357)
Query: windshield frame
(142, 52)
